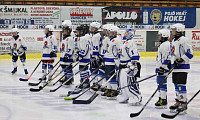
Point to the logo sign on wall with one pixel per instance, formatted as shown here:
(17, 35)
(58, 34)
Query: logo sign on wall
(121, 16)
(194, 36)
(81, 15)
(168, 16)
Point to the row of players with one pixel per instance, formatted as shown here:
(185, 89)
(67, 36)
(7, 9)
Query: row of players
(114, 52)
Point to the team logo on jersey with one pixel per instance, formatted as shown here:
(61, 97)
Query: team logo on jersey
(107, 45)
(15, 46)
(173, 49)
(156, 16)
(63, 47)
(45, 43)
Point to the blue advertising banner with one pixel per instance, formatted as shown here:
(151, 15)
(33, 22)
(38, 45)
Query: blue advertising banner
(169, 16)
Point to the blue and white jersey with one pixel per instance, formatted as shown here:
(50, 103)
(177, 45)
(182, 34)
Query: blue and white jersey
(96, 44)
(50, 44)
(67, 49)
(163, 56)
(129, 52)
(112, 50)
(16, 44)
(84, 49)
(181, 49)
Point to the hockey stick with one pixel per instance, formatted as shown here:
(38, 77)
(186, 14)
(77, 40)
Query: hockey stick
(138, 113)
(138, 81)
(41, 87)
(22, 79)
(66, 80)
(67, 98)
(73, 92)
(77, 92)
(36, 84)
(93, 96)
(173, 116)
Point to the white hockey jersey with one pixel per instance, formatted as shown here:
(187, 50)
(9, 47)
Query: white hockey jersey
(181, 49)
(96, 44)
(129, 52)
(67, 48)
(163, 56)
(84, 49)
(50, 44)
(16, 44)
(112, 50)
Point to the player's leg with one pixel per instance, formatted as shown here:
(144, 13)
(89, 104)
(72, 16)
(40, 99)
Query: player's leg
(134, 94)
(180, 80)
(68, 71)
(112, 85)
(23, 60)
(123, 96)
(50, 68)
(83, 75)
(44, 70)
(95, 85)
(162, 102)
(14, 60)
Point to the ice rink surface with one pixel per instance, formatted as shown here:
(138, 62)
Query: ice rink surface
(18, 103)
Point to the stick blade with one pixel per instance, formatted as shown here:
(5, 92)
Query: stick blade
(34, 90)
(134, 114)
(33, 84)
(67, 98)
(81, 102)
(73, 92)
(23, 79)
(168, 116)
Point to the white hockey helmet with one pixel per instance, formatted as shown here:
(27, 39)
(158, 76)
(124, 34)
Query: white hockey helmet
(164, 33)
(15, 30)
(179, 27)
(95, 25)
(49, 27)
(113, 28)
(67, 23)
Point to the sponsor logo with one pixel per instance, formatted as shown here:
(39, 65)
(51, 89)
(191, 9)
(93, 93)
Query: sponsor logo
(81, 11)
(156, 16)
(195, 35)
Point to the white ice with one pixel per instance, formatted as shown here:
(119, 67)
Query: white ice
(18, 103)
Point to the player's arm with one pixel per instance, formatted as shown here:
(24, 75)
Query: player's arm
(84, 48)
(70, 47)
(188, 51)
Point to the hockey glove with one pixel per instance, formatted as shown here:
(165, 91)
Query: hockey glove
(178, 62)
(65, 58)
(101, 60)
(161, 71)
(132, 68)
(121, 66)
(20, 51)
(52, 54)
(93, 62)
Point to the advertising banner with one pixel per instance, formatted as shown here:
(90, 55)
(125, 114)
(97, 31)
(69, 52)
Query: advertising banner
(81, 15)
(194, 39)
(168, 16)
(121, 16)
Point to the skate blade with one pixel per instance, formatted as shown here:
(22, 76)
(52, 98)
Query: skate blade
(183, 112)
(173, 111)
(135, 104)
(161, 107)
(111, 98)
(63, 95)
(103, 97)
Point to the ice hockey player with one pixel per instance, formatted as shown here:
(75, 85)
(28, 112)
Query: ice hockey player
(129, 56)
(162, 61)
(67, 51)
(181, 54)
(49, 52)
(18, 48)
(96, 43)
(110, 56)
(83, 39)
